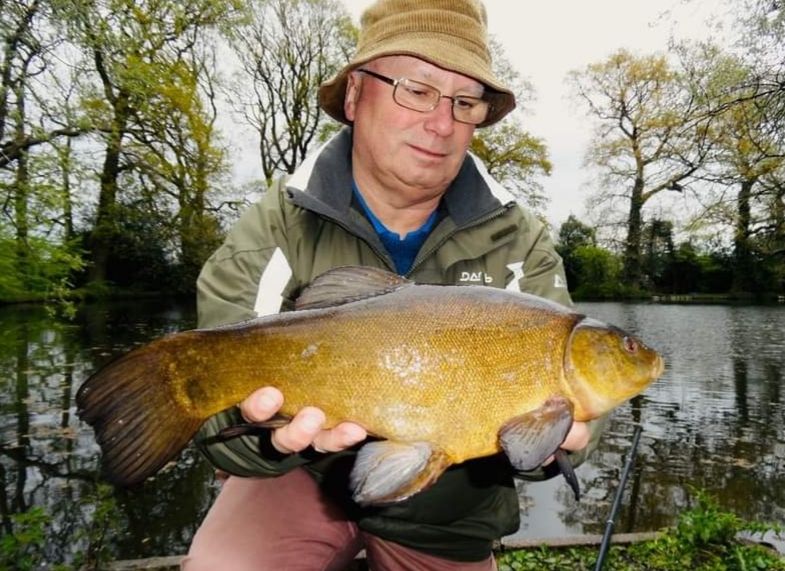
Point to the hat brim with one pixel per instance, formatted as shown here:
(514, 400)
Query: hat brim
(332, 92)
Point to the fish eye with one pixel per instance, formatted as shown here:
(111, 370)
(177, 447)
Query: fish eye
(630, 345)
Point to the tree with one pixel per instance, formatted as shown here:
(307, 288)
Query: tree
(597, 273)
(177, 160)
(26, 43)
(573, 234)
(649, 137)
(762, 42)
(515, 158)
(657, 251)
(286, 49)
(772, 235)
(745, 147)
(512, 155)
(32, 121)
(751, 114)
(135, 57)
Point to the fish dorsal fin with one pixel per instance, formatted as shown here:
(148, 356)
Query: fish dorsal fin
(346, 284)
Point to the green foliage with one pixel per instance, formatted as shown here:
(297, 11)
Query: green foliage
(594, 272)
(139, 243)
(23, 549)
(39, 269)
(597, 273)
(572, 234)
(103, 524)
(198, 240)
(515, 158)
(704, 539)
(138, 82)
(546, 558)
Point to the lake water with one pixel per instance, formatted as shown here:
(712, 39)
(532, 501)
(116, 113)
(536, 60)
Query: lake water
(715, 421)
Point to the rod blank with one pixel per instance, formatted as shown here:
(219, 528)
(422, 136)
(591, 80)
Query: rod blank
(606, 537)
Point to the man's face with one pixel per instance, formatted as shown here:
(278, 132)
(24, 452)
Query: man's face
(415, 154)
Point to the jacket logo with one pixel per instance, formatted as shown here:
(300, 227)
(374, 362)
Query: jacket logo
(476, 277)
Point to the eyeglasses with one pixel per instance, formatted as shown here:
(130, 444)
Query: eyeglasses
(424, 98)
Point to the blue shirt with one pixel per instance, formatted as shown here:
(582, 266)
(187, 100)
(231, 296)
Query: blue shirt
(403, 250)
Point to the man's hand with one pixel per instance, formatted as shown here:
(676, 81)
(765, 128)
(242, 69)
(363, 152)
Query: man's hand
(306, 427)
(577, 439)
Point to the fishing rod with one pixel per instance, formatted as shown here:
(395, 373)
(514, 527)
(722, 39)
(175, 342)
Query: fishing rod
(606, 537)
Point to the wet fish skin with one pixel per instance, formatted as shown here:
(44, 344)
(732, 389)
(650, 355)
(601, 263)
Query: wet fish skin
(438, 371)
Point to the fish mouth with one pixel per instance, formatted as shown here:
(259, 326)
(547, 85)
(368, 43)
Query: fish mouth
(658, 366)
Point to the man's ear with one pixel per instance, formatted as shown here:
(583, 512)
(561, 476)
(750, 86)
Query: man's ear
(353, 84)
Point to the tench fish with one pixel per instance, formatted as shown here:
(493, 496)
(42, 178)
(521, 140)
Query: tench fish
(437, 374)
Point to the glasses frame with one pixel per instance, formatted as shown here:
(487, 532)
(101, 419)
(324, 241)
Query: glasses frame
(453, 99)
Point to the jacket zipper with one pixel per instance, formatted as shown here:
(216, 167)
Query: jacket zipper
(482, 220)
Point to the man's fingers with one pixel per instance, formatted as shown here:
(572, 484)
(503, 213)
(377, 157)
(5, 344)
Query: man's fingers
(340, 437)
(577, 439)
(261, 405)
(304, 430)
(300, 432)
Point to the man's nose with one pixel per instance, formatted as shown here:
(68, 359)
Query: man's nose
(440, 119)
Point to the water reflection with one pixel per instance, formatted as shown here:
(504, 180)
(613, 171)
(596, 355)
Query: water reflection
(48, 459)
(714, 421)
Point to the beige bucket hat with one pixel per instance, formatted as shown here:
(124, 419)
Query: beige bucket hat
(451, 34)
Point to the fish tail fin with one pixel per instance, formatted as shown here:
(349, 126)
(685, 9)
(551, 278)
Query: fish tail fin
(386, 472)
(138, 423)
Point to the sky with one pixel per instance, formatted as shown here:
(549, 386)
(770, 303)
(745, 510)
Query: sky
(544, 40)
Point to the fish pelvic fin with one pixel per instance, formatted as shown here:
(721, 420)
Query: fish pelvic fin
(567, 470)
(529, 439)
(137, 422)
(386, 472)
(346, 284)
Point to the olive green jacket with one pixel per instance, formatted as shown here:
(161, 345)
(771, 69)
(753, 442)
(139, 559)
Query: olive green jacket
(308, 224)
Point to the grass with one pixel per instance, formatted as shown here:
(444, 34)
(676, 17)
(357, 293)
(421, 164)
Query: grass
(704, 539)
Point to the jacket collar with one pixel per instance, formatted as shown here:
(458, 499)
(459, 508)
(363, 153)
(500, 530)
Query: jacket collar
(323, 183)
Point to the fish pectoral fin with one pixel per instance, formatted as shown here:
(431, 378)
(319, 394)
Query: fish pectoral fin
(346, 284)
(530, 438)
(387, 471)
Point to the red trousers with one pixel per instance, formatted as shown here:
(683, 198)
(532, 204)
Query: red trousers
(286, 524)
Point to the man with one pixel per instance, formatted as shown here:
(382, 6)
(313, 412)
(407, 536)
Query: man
(395, 189)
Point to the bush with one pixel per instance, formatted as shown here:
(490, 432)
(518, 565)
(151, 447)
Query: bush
(704, 539)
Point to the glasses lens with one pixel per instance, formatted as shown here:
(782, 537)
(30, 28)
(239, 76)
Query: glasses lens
(423, 97)
(415, 95)
(469, 109)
